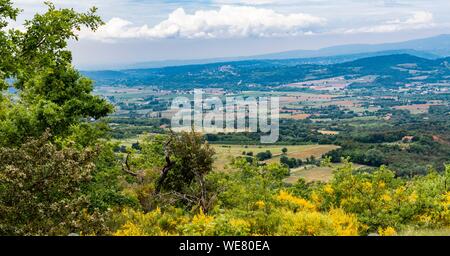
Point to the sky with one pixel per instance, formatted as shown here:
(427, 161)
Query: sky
(138, 31)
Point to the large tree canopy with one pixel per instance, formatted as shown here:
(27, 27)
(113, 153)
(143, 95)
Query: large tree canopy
(51, 94)
(46, 184)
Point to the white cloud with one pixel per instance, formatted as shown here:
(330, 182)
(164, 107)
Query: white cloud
(418, 20)
(226, 22)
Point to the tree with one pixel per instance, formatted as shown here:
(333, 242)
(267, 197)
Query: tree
(37, 63)
(41, 190)
(284, 150)
(43, 176)
(188, 160)
(326, 161)
(262, 156)
(290, 162)
(374, 157)
(7, 13)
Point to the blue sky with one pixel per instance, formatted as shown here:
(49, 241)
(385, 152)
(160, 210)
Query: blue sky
(144, 30)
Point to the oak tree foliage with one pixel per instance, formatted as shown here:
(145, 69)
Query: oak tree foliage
(36, 62)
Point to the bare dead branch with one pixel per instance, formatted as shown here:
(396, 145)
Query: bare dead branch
(126, 167)
(165, 171)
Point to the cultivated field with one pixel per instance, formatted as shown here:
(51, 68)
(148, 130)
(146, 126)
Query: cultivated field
(314, 173)
(225, 153)
(416, 108)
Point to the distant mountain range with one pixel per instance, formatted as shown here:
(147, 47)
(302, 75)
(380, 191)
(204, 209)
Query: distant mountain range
(432, 48)
(438, 46)
(391, 70)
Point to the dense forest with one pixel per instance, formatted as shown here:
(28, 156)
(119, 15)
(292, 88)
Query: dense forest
(60, 172)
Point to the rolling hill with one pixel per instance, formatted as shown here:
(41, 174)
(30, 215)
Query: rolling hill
(431, 48)
(390, 70)
(437, 45)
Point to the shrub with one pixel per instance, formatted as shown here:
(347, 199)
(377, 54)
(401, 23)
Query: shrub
(41, 190)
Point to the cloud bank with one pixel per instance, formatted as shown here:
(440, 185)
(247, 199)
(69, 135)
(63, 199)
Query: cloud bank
(226, 22)
(418, 20)
(231, 21)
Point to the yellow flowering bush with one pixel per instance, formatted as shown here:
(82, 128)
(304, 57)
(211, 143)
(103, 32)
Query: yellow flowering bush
(344, 224)
(200, 225)
(154, 223)
(389, 231)
(227, 225)
(386, 198)
(378, 199)
(307, 223)
(295, 202)
(301, 217)
(328, 189)
(260, 204)
(446, 200)
(130, 229)
(439, 215)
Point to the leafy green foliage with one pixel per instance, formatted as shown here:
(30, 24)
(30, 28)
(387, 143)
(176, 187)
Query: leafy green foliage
(290, 162)
(48, 182)
(51, 93)
(191, 157)
(262, 156)
(40, 190)
(7, 13)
